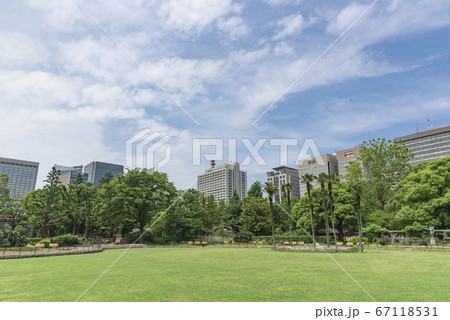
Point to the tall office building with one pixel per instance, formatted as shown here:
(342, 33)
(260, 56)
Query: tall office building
(97, 170)
(429, 144)
(66, 169)
(22, 176)
(283, 175)
(345, 156)
(326, 163)
(69, 175)
(221, 181)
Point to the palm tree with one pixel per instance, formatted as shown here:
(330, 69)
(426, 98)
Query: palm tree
(332, 179)
(357, 186)
(357, 190)
(270, 189)
(307, 179)
(286, 188)
(322, 179)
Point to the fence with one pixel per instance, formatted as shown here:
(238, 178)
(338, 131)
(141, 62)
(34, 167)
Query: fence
(25, 252)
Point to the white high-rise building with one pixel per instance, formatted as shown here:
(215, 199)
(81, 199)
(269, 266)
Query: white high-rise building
(221, 181)
(326, 163)
(283, 175)
(428, 145)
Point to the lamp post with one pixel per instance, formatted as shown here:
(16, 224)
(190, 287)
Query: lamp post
(432, 240)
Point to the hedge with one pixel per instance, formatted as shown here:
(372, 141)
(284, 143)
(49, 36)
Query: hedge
(305, 239)
(33, 241)
(67, 240)
(45, 242)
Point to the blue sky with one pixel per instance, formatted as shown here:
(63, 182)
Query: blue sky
(70, 95)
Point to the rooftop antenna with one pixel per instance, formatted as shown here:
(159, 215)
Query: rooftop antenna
(428, 121)
(417, 127)
(213, 163)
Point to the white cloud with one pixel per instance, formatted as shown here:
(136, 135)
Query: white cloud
(102, 60)
(363, 117)
(19, 50)
(194, 15)
(37, 89)
(289, 25)
(185, 79)
(234, 25)
(385, 20)
(63, 16)
(243, 57)
(282, 2)
(68, 94)
(52, 136)
(346, 17)
(283, 49)
(272, 79)
(57, 14)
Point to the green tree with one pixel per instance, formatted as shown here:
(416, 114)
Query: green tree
(213, 212)
(255, 216)
(78, 202)
(10, 208)
(270, 189)
(344, 210)
(108, 220)
(384, 219)
(386, 163)
(107, 178)
(14, 212)
(323, 179)
(4, 192)
(233, 212)
(417, 230)
(187, 218)
(308, 179)
(255, 190)
(11, 238)
(221, 209)
(86, 197)
(286, 189)
(424, 196)
(45, 205)
(140, 194)
(373, 231)
(79, 179)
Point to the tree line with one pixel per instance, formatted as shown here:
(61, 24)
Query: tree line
(380, 191)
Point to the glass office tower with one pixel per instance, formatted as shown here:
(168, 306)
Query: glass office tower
(22, 176)
(69, 175)
(97, 170)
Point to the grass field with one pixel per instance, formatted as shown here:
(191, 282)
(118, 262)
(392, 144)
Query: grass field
(225, 274)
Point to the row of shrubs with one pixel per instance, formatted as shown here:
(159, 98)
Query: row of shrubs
(242, 237)
(248, 236)
(67, 240)
(412, 241)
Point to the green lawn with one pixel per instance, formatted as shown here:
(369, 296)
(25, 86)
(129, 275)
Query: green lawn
(226, 274)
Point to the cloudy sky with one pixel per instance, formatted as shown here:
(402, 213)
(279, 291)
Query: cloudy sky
(79, 78)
